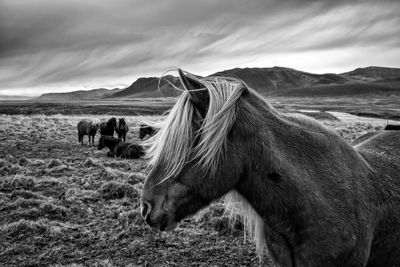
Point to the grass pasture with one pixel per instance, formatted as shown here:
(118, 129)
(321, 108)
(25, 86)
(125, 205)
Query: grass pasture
(63, 204)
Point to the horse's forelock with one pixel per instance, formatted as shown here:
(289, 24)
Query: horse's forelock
(171, 147)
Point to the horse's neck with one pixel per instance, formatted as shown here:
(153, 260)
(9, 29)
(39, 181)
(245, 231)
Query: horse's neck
(301, 146)
(292, 161)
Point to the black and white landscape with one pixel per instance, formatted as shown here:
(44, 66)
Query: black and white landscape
(76, 68)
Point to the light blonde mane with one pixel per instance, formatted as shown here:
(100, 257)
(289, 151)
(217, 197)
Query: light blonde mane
(172, 146)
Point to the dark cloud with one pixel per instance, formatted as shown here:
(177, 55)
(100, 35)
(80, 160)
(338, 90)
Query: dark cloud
(69, 44)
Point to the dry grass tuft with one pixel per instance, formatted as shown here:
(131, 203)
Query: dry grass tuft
(26, 229)
(25, 194)
(132, 217)
(135, 178)
(21, 203)
(215, 217)
(53, 163)
(24, 161)
(4, 163)
(51, 187)
(117, 190)
(54, 211)
(89, 162)
(74, 194)
(113, 174)
(15, 182)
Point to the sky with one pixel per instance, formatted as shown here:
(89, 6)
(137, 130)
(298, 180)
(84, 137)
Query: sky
(65, 45)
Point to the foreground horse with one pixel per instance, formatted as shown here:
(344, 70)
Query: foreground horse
(122, 129)
(306, 195)
(147, 130)
(88, 128)
(108, 128)
(120, 149)
(392, 127)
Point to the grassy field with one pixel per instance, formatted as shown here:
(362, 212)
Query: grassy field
(386, 108)
(62, 203)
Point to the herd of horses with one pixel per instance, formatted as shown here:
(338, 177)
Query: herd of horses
(307, 197)
(118, 147)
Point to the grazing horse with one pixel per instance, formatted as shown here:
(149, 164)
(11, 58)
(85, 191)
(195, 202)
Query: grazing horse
(147, 130)
(122, 129)
(108, 128)
(307, 197)
(119, 148)
(88, 128)
(392, 127)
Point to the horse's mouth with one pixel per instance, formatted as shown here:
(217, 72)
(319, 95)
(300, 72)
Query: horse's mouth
(163, 224)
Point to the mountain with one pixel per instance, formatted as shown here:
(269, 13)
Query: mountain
(280, 81)
(275, 81)
(372, 74)
(150, 87)
(14, 97)
(369, 81)
(279, 78)
(95, 94)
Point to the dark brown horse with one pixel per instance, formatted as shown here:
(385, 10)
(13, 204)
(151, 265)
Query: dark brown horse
(305, 194)
(122, 129)
(118, 148)
(108, 128)
(147, 130)
(392, 127)
(88, 128)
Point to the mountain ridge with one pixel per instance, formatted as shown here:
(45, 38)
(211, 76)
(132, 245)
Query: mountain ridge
(276, 81)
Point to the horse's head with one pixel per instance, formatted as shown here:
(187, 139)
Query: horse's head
(196, 155)
(96, 124)
(143, 130)
(113, 122)
(121, 121)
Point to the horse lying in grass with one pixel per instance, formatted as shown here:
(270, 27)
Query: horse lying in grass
(88, 128)
(120, 149)
(108, 128)
(147, 130)
(122, 129)
(392, 127)
(305, 194)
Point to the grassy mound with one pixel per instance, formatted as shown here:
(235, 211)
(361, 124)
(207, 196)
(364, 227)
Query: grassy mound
(117, 190)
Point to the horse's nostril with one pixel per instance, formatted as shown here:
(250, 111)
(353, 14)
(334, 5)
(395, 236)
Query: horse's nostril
(146, 209)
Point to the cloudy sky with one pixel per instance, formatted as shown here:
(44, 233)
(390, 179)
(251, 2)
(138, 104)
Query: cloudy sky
(64, 45)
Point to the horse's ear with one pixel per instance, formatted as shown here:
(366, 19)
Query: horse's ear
(198, 93)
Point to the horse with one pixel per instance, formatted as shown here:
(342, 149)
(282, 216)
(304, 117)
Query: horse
(307, 197)
(392, 127)
(118, 148)
(108, 128)
(147, 130)
(122, 129)
(129, 150)
(88, 128)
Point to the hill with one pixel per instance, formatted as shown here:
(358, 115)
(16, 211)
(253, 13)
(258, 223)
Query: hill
(94, 94)
(282, 81)
(150, 87)
(14, 97)
(277, 81)
(279, 78)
